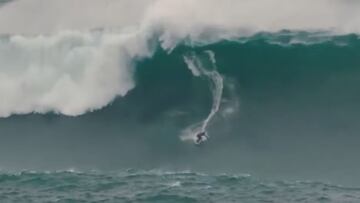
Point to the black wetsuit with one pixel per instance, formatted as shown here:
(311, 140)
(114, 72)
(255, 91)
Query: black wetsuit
(199, 136)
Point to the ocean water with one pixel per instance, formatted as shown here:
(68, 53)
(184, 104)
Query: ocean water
(159, 186)
(287, 114)
(119, 97)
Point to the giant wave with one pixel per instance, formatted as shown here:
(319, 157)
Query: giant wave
(114, 85)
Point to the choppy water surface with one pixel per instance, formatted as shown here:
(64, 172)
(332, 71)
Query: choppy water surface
(157, 186)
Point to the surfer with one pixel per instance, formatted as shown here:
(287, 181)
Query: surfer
(200, 137)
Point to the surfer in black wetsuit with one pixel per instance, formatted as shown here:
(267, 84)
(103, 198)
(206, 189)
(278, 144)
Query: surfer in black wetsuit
(201, 136)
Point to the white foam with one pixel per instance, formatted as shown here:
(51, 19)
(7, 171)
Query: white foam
(209, 20)
(175, 184)
(69, 73)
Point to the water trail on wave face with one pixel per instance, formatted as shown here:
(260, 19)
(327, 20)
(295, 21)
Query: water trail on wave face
(216, 87)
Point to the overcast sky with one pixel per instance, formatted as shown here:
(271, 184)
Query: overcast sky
(44, 16)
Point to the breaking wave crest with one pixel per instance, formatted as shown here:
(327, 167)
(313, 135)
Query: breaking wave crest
(70, 63)
(68, 73)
